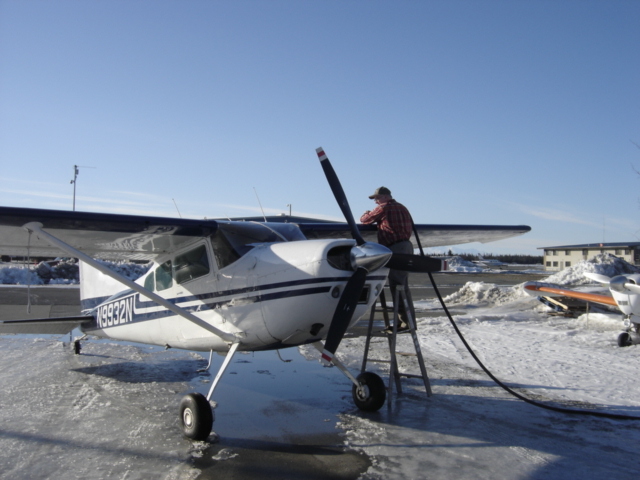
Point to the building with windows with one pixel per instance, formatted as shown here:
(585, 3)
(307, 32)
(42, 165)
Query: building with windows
(559, 258)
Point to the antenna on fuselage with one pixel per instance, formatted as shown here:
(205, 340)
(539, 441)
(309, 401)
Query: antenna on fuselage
(174, 202)
(261, 209)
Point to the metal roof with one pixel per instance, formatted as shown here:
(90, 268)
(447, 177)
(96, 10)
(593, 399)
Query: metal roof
(593, 245)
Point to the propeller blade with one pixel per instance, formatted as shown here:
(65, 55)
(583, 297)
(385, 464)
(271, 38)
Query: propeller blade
(598, 277)
(416, 263)
(343, 314)
(632, 287)
(339, 194)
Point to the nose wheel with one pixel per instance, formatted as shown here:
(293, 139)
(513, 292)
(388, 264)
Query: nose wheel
(626, 339)
(196, 416)
(370, 393)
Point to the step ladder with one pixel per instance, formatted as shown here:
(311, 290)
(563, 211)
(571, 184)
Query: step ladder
(401, 295)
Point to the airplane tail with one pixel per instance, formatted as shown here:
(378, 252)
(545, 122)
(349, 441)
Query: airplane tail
(96, 287)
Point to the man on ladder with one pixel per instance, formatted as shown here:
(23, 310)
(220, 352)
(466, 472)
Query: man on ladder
(394, 232)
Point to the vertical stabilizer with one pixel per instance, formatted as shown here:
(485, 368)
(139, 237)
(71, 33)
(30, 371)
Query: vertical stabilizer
(95, 286)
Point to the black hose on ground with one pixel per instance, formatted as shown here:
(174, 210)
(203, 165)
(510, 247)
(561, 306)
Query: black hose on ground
(508, 389)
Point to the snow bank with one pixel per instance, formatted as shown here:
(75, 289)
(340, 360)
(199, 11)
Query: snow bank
(603, 263)
(62, 272)
(483, 294)
(459, 264)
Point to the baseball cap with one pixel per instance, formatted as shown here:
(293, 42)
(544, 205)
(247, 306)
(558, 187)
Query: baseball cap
(380, 191)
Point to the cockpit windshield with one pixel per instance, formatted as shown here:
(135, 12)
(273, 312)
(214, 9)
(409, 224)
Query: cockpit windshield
(233, 240)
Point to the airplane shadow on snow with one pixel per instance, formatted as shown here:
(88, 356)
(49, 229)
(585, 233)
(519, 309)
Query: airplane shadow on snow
(141, 372)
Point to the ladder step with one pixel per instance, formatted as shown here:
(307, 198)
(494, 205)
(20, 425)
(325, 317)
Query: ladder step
(410, 375)
(378, 361)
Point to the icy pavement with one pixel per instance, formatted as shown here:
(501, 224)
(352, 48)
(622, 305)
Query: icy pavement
(108, 413)
(112, 413)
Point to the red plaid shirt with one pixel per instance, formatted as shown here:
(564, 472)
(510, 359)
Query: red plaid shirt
(394, 222)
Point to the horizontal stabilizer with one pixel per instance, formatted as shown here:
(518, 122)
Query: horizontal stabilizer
(54, 326)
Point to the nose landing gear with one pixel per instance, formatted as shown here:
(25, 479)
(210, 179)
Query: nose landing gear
(371, 392)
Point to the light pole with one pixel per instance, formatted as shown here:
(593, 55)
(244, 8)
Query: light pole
(75, 176)
(76, 170)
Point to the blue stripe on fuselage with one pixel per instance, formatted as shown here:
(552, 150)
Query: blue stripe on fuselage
(209, 300)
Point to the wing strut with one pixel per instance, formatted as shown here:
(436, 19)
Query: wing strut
(36, 227)
(223, 367)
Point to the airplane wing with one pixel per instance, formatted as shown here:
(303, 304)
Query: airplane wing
(431, 235)
(88, 236)
(44, 325)
(540, 290)
(100, 235)
(133, 237)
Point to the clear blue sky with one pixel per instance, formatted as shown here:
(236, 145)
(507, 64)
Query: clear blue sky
(496, 112)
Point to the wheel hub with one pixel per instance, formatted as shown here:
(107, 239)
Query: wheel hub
(363, 392)
(187, 417)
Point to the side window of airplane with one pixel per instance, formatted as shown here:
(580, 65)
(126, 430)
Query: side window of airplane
(223, 250)
(191, 265)
(149, 282)
(163, 276)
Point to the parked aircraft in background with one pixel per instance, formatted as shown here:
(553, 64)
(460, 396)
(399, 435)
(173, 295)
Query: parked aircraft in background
(625, 295)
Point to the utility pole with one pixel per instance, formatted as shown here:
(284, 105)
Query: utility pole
(75, 178)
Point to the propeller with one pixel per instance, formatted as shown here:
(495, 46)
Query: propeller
(339, 194)
(598, 277)
(343, 314)
(365, 257)
(619, 283)
(416, 263)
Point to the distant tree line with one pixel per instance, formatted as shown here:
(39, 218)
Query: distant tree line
(511, 259)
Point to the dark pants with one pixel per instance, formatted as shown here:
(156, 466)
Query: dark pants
(399, 277)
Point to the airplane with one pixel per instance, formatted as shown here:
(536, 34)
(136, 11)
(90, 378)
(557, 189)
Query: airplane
(488, 262)
(625, 295)
(226, 286)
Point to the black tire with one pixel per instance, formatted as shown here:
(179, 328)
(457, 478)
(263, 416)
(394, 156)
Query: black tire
(196, 416)
(372, 393)
(624, 340)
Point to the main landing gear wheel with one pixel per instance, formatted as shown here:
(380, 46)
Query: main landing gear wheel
(624, 339)
(196, 416)
(371, 393)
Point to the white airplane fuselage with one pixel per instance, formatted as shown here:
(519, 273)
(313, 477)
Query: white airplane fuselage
(628, 301)
(276, 295)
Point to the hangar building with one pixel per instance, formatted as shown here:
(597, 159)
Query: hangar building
(559, 258)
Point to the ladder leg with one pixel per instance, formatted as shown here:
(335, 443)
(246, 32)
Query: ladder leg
(410, 310)
(394, 373)
(383, 306)
(368, 340)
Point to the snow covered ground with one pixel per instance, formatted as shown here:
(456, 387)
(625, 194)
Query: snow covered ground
(469, 428)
